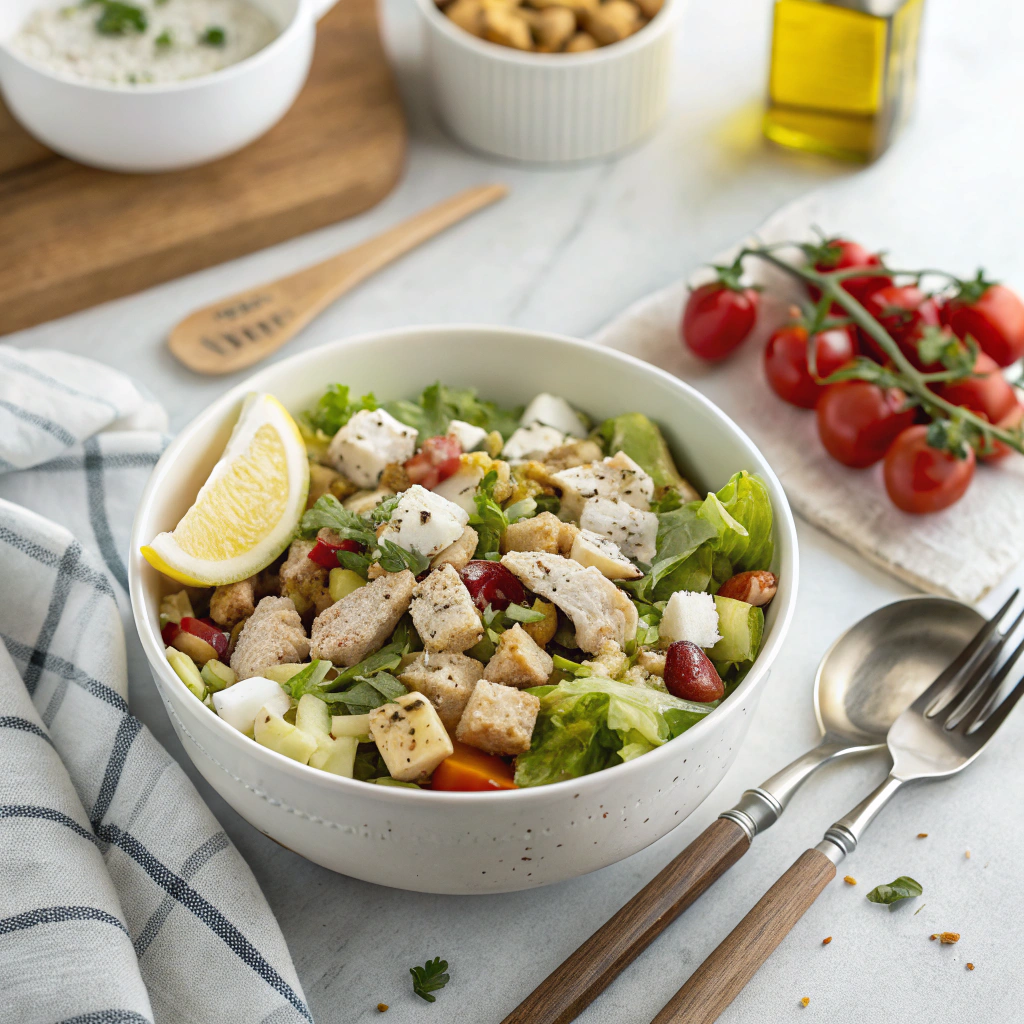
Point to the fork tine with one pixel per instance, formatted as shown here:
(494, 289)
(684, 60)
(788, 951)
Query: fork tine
(986, 730)
(977, 712)
(966, 698)
(951, 674)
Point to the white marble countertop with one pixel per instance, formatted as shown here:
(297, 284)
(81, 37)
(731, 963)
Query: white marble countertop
(568, 250)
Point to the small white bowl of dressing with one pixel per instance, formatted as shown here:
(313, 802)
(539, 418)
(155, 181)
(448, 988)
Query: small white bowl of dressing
(200, 80)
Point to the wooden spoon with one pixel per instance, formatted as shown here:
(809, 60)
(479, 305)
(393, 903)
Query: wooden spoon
(245, 328)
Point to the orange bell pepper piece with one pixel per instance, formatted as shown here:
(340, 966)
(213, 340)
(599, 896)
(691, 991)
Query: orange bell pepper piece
(470, 770)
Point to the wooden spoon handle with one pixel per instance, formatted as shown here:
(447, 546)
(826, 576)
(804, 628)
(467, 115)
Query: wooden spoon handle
(722, 976)
(570, 988)
(241, 330)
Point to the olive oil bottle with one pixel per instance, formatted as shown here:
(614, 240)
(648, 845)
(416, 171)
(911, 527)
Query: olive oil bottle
(843, 74)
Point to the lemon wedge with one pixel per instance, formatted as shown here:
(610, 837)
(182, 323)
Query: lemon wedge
(246, 513)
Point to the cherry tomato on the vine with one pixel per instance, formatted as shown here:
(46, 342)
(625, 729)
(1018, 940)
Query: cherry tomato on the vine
(995, 319)
(842, 254)
(858, 420)
(437, 459)
(786, 367)
(922, 479)
(904, 311)
(990, 395)
(717, 319)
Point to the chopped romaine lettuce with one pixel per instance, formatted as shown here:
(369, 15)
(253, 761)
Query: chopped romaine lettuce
(591, 722)
(431, 413)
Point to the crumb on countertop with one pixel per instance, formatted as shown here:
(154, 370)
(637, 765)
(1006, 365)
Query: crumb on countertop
(919, 909)
(967, 854)
(849, 880)
(825, 942)
(922, 835)
(805, 1000)
(946, 938)
(381, 1007)
(970, 967)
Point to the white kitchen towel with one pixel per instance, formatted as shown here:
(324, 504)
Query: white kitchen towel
(121, 898)
(963, 551)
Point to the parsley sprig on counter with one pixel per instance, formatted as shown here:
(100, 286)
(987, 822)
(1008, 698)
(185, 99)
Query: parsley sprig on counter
(430, 978)
(117, 18)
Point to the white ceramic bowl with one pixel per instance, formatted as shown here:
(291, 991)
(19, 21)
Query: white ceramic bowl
(549, 107)
(464, 842)
(164, 126)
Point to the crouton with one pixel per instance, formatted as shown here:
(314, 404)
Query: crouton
(597, 608)
(303, 580)
(359, 623)
(652, 662)
(518, 661)
(394, 478)
(233, 602)
(545, 532)
(444, 614)
(366, 501)
(575, 453)
(446, 680)
(457, 555)
(324, 480)
(498, 719)
(609, 661)
(272, 635)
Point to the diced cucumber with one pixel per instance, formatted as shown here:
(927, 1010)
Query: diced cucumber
(335, 756)
(175, 607)
(741, 626)
(312, 716)
(350, 725)
(185, 669)
(342, 582)
(282, 673)
(218, 676)
(273, 731)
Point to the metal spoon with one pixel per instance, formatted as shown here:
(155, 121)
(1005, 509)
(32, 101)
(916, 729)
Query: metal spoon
(865, 680)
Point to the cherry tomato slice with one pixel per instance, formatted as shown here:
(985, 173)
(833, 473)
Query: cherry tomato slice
(922, 479)
(995, 321)
(857, 421)
(490, 583)
(325, 552)
(785, 361)
(717, 319)
(212, 635)
(437, 459)
(169, 632)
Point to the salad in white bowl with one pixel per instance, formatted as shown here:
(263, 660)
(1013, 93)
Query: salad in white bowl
(439, 592)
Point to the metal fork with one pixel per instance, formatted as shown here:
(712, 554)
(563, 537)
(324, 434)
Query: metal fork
(941, 733)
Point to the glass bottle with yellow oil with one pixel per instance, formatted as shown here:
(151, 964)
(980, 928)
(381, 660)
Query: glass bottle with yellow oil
(843, 74)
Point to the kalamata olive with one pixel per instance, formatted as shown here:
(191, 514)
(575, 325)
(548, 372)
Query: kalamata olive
(490, 583)
(689, 674)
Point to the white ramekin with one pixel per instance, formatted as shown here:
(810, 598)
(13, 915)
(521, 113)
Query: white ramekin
(160, 126)
(464, 842)
(548, 107)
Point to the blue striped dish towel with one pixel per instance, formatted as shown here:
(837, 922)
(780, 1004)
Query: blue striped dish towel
(121, 898)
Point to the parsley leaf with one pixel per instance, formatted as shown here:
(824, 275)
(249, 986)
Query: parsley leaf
(369, 692)
(213, 36)
(903, 888)
(308, 680)
(336, 408)
(392, 558)
(490, 520)
(117, 18)
(329, 512)
(430, 978)
(382, 512)
(164, 41)
(434, 410)
(547, 503)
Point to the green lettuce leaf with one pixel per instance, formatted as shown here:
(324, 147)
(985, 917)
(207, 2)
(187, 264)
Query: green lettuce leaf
(590, 722)
(434, 410)
(745, 498)
(335, 408)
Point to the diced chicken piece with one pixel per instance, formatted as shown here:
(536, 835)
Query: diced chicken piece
(446, 680)
(554, 411)
(410, 737)
(498, 719)
(468, 436)
(425, 522)
(534, 441)
(444, 614)
(304, 580)
(324, 480)
(457, 555)
(634, 531)
(604, 555)
(597, 608)
(610, 662)
(575, 453)
(367, 443)
(233, 602)
(690, 616)
(360, 623)
(366, 501)
(462, 484)
(545, 532)
(394, 478)
(652, 662)
(272, 635)
(519, 661)
(616, 477)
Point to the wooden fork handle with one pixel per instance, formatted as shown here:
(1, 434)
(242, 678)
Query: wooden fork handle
(722, 976)
(570, 988)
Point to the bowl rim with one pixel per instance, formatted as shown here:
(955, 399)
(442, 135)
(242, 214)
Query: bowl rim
(304, 14)
(662, 22)
(784, 525)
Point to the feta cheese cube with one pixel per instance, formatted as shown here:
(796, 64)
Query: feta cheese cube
(468, 436)
(410, 737)
(634, 531)
(604, 555)
(425, 521)
(367, 443)
(554, 411)
(238, 705)
(461, 486)
(532, 441)
(616, 477)
(690, 616)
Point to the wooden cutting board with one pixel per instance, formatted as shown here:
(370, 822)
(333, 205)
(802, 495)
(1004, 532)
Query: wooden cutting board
(72, 236)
